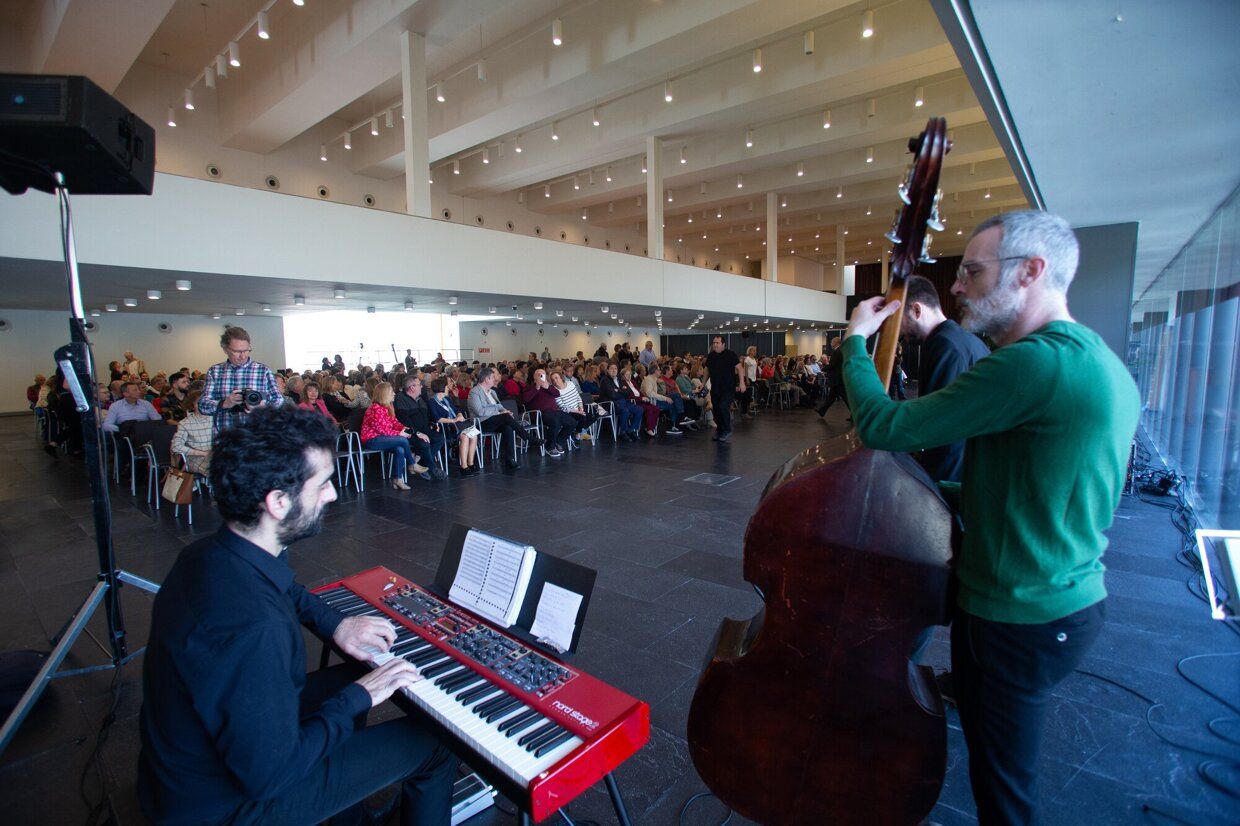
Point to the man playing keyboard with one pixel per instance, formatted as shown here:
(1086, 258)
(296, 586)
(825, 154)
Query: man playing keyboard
(233, 729)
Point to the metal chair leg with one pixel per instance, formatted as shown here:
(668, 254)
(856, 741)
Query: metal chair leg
(617, 801)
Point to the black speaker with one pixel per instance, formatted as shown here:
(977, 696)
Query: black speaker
(67, 124)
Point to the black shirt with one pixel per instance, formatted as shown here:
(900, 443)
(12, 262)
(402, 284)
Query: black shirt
(722, 368)
(946, 353)
(414, 414)
(222, 679)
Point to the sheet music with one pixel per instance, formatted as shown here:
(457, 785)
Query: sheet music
(492, 577)
(556, 617)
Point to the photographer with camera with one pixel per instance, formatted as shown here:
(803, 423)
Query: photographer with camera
(237, 385)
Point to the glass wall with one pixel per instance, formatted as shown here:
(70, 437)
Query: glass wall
(1184, 355)
(370, 338)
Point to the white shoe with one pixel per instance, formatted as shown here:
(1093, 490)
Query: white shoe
(674, 431)
(652, 433)
(400, 484)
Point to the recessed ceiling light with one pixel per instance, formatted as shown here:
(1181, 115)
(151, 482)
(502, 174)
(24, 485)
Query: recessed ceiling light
(111, 308)
(131, 302)
(154, 295)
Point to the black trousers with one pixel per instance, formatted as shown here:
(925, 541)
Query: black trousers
(426, 450)
(834, 392)
(721, 401)
(398, 751)
(507, 427)
(557, 427)
(1003, 675)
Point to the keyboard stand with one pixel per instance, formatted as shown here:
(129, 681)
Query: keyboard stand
(613, 791)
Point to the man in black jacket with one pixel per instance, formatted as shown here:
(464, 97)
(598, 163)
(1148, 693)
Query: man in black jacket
(413, 412)
(947, 350)
(628, 415)
(835, 378)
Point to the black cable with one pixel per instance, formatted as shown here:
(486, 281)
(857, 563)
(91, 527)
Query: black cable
(685, 808)
(95, 760)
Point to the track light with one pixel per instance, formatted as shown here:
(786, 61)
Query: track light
(516, 144)
(867, 24)
(683, 159)
(748, 138)
(800, 169)
(486, 155)
(482, 70)
(348, 140)
(172, 118)
(667, 91)
(919, 96)
(234, 54)
(546, 190)
(387, 119)
(871, 107)
(337, 293)
(154, 295)
(557, 32)
(987, 195)
(869, 155)
(555, 131)
(839, 193)
(576, 183)
(643, 164)
(807, 42)
(299, 300)
(439, 93)
(184, 285)
(594, 117)
(757, 60)
(607, 174)
(456, 167)
(374, 127)
(221, 65)
(189, 99)
(264, 30)
(584, 215)
(299, 2)
(208, 77)
(783, 201)
(520, 196)
(740, 181)
(719, 212)
(702, 190)
(826, 119)
(669, 196)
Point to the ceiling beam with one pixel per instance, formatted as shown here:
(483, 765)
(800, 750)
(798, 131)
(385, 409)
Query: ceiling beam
(87, 37)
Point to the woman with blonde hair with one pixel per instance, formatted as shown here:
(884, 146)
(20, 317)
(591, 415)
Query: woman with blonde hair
(382, 431)
(193, 436)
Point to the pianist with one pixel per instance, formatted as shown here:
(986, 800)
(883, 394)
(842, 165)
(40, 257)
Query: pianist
(233, 729)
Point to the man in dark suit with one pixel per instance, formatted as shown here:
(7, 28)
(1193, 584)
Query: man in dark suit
(835, 378)
(947, 350)
(413, 412)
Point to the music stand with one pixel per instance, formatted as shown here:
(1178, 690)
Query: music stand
(77, 366)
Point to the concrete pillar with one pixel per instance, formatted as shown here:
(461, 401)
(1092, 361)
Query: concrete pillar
(1101, 293)
(772, 237)
(654, 197)
(413, 107)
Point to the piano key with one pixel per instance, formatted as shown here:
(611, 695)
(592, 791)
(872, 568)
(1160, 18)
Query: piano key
(467, 696)
(564, 734)
(536, 732)
(448, 664)
(507, 726)
(456, 679)
(533, 745)
(502, 703)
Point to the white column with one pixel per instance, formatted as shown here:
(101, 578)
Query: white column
(654, 197)
(842, 263)
(772, 237)
(413, 107)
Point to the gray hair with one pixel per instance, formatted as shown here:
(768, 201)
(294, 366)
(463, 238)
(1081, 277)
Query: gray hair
(484, 374)
(1034, 234)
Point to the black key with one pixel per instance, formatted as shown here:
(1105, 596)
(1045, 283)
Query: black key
(477, 695)
(535, 733)
(552, 743)
(497, 713)
(439, 668)
(538, 741)
(457, 679)
(451, 673)
(520, 720)
(428, 656)
(504, 701)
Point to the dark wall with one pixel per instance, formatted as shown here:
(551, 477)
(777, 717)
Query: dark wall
(768, 344)
(942, 273)
(1101, 293)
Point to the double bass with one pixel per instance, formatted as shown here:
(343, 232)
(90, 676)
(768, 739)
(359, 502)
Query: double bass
(811, 711)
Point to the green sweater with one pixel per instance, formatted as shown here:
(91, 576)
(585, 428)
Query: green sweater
(1048, 421)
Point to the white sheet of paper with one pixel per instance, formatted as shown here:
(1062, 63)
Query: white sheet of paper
(556, 617)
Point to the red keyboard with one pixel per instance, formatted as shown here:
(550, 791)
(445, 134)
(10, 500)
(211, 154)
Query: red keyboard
(538, 728)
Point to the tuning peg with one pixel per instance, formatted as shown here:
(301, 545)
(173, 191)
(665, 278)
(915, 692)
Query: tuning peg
(891, 236)
(902, 191)
(934, 223)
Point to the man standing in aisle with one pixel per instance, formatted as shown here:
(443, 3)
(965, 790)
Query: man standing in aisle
(727, 378)
(648, 356)
(1048, 419)
(223, 393)
(835, 379)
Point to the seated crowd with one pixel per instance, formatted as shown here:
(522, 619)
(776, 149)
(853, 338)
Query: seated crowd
(418, 413)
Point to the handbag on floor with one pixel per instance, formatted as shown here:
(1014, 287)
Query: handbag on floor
(178, 486)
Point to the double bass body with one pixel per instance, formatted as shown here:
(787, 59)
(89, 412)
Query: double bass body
(811, 712)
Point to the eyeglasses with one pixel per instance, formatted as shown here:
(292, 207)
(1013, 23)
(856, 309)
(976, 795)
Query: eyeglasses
(970, 269)
(245, 352)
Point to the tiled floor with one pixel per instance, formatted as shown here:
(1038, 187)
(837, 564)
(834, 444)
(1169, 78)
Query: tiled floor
(668, 553)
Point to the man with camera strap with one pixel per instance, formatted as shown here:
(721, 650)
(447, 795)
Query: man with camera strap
(238, 384)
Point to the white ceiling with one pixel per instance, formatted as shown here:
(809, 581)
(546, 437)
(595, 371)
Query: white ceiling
(1127, 111)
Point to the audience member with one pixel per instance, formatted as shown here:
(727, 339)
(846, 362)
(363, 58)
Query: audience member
(381, 430)
(628, 414)
(223, 396)
(193, 436)
(131, 407)
(726, 377)
(653, 390)
(570, 402)
(649, 410)
(557, 425)
(312, 400)
(494, 417)
(426, 438)
(172, 405)
(449, 420)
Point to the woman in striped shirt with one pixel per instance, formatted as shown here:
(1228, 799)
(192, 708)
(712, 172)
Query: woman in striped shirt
(570, 402)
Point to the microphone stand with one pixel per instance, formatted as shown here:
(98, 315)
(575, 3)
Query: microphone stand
(77, 366)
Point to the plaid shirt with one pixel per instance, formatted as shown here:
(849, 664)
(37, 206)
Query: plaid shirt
(224, 378)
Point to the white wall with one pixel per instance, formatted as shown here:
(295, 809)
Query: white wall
(502, 344)
(194, 342)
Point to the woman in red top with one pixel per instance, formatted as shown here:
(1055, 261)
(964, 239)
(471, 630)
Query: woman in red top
(312, 400)
(514, 385)
(382, 431)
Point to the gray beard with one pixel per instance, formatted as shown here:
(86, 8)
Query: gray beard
(992, 313)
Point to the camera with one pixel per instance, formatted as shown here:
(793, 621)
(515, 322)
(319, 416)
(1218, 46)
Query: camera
(251, 398)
